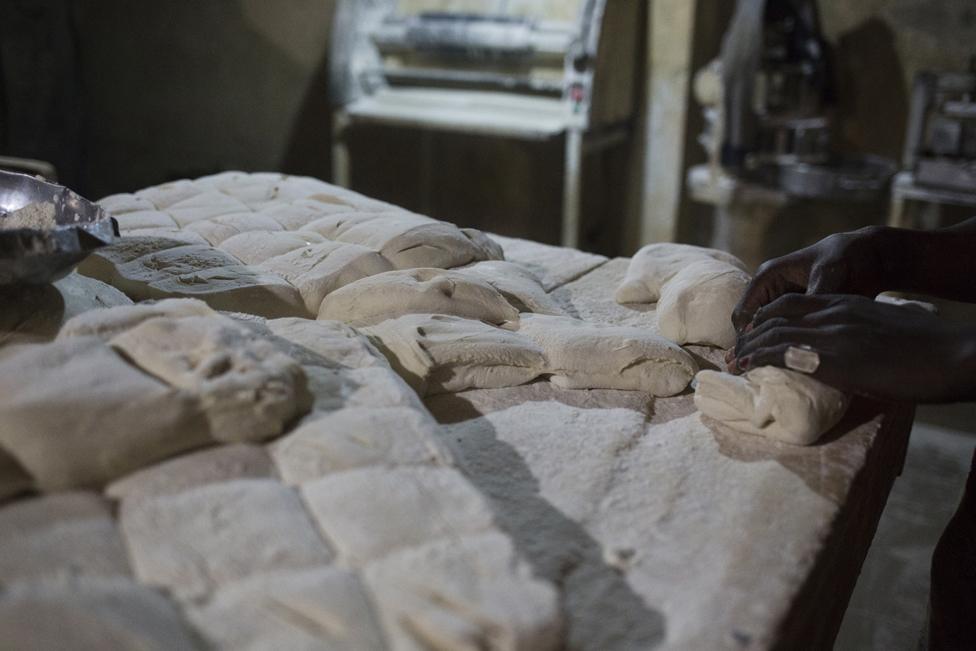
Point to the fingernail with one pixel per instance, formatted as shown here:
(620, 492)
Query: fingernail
(745, 363)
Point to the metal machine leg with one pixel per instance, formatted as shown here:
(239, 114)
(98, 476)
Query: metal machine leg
(340, 150)
(572, 188)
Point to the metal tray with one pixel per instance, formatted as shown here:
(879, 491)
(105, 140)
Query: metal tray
(38, 257)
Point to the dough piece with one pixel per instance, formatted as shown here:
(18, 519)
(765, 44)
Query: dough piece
(359, 437)
(211, 466)
(148, 268)
(60, 536)
(106, 324)
(255, 247)
(554, 266)
(247, 388)
(200, 540)
(298, 215)
(323, 609)
(175, 234)
(411, 241)
(331, 340)
(204, 205)
(91, 614)
(144, 219)
(75, 414)
(120, 204)
(218, 229)
(489, 248)
(333, 225)
(776, 403)
(445, 354)
(589, 356)
(656, 264)
(34, 314)
(320, 269)
(697, 303)
(466, 592)
(371, 512)
(417, 291)
(520, 287)
(168, 194)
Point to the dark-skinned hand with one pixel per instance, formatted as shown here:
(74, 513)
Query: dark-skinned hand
(846, 263)
(868, 348)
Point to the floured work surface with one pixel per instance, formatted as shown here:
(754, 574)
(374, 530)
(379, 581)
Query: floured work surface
(527, 517)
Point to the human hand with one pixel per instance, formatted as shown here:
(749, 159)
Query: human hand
(865, 347)
(847, 263)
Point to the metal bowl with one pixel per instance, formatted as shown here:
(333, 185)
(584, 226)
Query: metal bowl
(38, 257)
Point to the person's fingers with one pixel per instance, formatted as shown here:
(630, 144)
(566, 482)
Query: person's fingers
(789, 336)
(774, 279)
(751, 332)
(831, 370)
(828, 278)
(792, 306)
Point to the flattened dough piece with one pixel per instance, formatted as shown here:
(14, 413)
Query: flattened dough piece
(359, 437)
(323, 609)
(248, 389)
(444, 354)
(144, 219)
(75, 414)
(518, 285)
(417, 291)
(91, 614)
(589, 356)
(218, 229)
(106, 324)
(656, 264)
(151, 268)
(411, 243)
(331, 340)
(254, 247)
(776, 403)
(371, 512)
(468, 592)
(696, 305)
(320, 269)
(200, 540)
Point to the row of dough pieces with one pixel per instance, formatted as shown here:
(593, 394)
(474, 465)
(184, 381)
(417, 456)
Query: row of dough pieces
(695, 289)
(215, 529)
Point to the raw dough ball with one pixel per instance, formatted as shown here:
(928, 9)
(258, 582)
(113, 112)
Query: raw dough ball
(74, 413)
(332, 226)
(771, 402)
(445, 354)
(656, 264)
(697, 303)
(590, 356)
(416, 291)
(144, 219)
(320, 269)
(150, 268)
(517, 284)
(120, 204)
(248, 390)
(297, 215)
(255, 247)
(204, 205)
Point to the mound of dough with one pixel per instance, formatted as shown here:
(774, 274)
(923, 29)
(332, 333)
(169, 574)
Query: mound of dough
(445, 354)
(696, 290)
(584, 355)
(218, 229)
(697, 303)
(74, 414)
(255, 247)
(412, 241)
(248, 390)
(771, 402)
(320, 269)
(520, 287)
(147, 268)
(417, 291)
(106, 324)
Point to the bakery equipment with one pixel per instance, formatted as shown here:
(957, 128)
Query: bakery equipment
(940, 148)
(768, 104)
(36, 256)
(523, 69)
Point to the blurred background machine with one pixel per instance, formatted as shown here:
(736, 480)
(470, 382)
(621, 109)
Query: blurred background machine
(940, 150)
(768, 103)
(529, 70)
